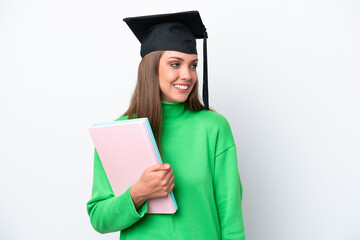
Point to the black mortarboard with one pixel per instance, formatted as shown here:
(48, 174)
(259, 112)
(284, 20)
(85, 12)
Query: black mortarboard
(174, 32)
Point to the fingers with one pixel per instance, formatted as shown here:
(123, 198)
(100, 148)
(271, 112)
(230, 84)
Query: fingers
(165, 181)
(166, 166)
(159, 167)
(168, 182)
(158, 180)
(155, 167)
(169, 178)
(170, 188)
(164, 176)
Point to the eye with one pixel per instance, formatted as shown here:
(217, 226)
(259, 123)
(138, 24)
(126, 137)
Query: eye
(194, 66)
(174, 64)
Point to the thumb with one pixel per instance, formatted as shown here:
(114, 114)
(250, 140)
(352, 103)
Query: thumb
(160, 167)
(166, 166)
(156, 167)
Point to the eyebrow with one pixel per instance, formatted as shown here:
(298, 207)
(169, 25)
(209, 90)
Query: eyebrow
(180, 59)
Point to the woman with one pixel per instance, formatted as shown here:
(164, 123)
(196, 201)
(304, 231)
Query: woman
(197, 146)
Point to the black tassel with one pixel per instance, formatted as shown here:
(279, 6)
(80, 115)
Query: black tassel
(205, 75)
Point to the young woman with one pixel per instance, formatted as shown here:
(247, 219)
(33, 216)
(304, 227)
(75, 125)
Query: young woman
(197, 146)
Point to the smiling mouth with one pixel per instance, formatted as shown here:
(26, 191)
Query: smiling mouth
(182, 87)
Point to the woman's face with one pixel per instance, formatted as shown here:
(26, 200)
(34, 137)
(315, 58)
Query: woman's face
(177, 75)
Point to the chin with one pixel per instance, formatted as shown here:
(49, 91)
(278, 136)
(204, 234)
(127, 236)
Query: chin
(175, 100)
(182, 99)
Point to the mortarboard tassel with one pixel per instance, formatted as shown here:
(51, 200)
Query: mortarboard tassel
(205, 75)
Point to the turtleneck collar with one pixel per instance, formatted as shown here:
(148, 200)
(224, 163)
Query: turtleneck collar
(172, 112)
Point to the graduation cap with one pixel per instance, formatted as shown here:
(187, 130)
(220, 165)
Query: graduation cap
(173, 32)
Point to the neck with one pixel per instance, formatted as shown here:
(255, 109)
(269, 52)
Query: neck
(172, 112)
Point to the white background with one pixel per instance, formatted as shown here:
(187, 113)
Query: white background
(284, 73)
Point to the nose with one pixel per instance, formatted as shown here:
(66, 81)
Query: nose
(185, 74)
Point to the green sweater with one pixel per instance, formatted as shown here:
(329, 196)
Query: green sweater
(201, 150)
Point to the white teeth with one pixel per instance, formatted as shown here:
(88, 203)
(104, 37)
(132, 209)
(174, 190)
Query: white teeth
(182, 86)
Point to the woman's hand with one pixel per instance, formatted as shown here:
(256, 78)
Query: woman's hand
(156, 181)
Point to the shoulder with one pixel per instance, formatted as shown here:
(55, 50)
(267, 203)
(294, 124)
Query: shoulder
(212, 119)
(215, 126)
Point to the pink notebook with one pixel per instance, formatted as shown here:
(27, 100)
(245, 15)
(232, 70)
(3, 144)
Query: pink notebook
(126, 148)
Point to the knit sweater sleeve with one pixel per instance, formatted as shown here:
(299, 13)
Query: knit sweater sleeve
(109, 213)
(227, 186)
(228, 194)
